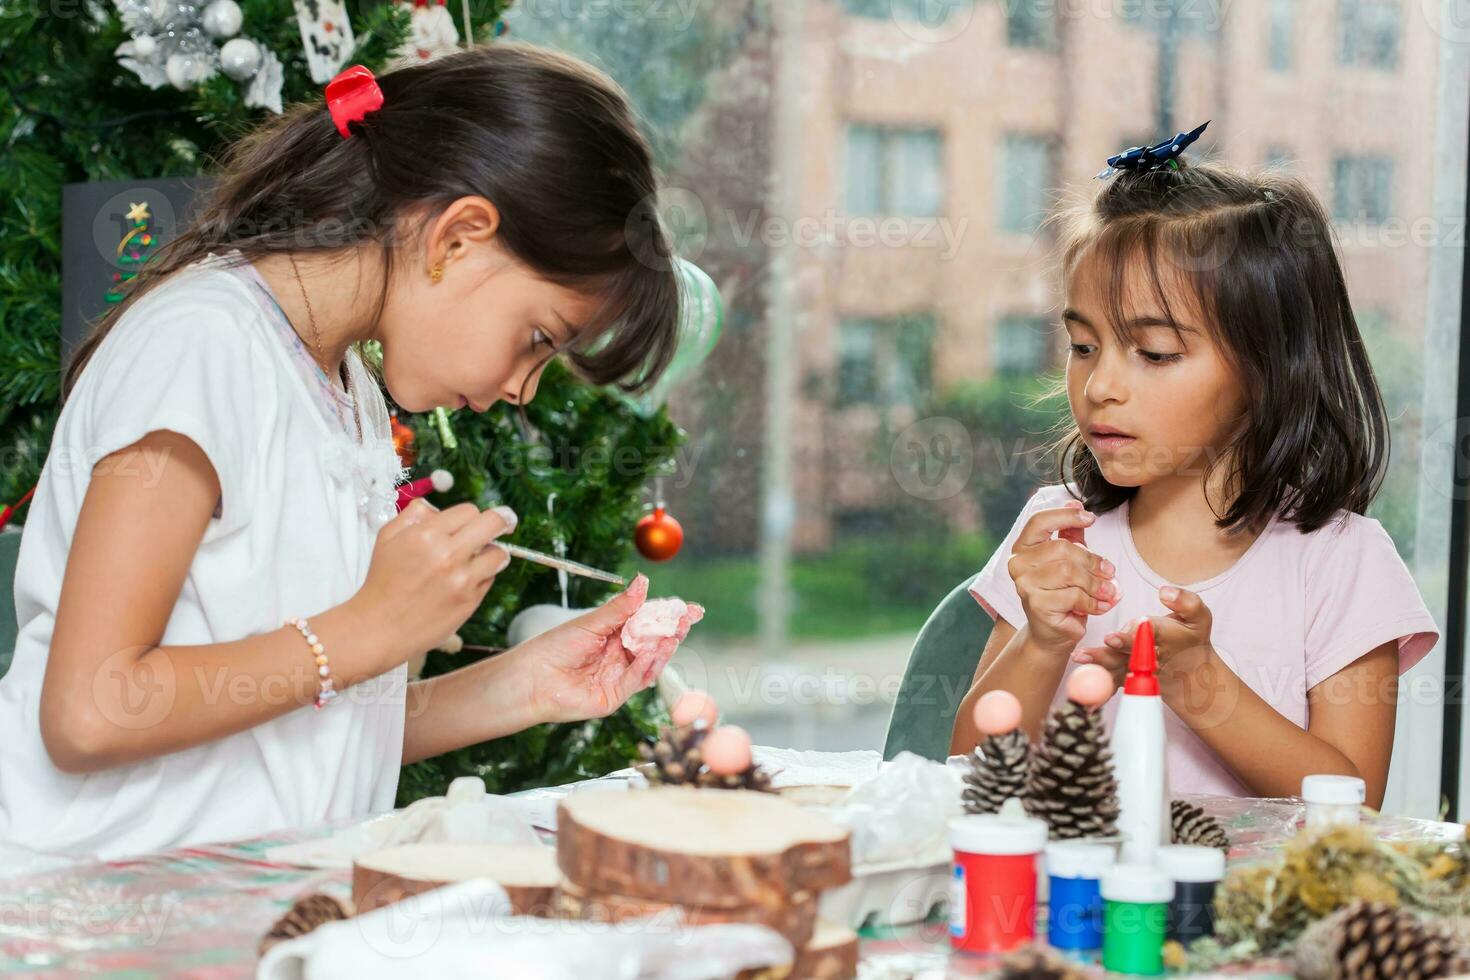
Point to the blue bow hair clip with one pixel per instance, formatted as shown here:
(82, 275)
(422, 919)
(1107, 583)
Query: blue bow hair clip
(1146, 158)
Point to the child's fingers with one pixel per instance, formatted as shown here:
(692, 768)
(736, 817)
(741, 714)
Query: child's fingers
(1072, 599)
(484, 527)
(1063, 576)
(1044, 523)
(1186, 605)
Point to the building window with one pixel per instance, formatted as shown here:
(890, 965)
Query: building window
(1025, 188)
(1020, 344)
(1281, 39)
(1361, 189)
(1030, 24)
(885, 362)
(1368, 33)
(894, 171)
(923, 11)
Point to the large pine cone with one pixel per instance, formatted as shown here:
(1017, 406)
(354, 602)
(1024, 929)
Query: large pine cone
(997, 772)
(1193, 826)
(305, 915)
(1039, 963)
(1376, 941)
(1071, 784)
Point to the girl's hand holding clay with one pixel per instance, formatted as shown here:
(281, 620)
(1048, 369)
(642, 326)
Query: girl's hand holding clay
(588, 667)
(1060, 582)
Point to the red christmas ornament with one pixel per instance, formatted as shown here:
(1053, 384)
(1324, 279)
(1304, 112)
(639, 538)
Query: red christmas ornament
(658, 536)
(403, 442)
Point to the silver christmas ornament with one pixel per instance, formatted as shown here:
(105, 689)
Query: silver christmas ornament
(144, 46)
(239, 58)
(222, 18)
(185, 70)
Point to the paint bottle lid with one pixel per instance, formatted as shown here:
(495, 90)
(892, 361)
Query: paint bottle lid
(1191, 863)
(1080, 858)
(993, 833)
(1143, 663)
(1137, 883)
(1343, 790)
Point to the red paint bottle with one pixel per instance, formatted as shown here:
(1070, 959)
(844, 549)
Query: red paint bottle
(992, 904)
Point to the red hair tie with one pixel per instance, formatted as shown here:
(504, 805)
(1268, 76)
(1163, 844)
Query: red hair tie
(351, 96)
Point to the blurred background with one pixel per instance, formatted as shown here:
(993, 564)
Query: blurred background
(866, 179)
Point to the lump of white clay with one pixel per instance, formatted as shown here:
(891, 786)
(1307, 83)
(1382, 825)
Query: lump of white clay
(655, 620)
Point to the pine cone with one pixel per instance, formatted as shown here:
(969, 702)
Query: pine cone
(997, 772)
(677, 760)
(305, 915)
(1071, 784)
(1193, 826)
(675, 754)
(1038, 963)
(754, 778)
(1376, 941)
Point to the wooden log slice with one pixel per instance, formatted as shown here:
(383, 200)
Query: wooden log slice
(815, 794)
(526, 872)
(795, 920)
(832, 954)
(699, 847)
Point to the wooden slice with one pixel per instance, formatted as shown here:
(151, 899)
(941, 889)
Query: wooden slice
(796, 920)
(815, 795)
(526, 872)
(699, 847)
(832, 954)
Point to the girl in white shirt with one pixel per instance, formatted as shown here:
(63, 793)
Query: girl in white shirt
(223, 465)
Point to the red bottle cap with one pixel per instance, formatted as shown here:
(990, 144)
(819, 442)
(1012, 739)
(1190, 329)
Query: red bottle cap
(1143, 663)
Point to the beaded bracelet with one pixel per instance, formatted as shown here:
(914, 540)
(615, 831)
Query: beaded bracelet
(323, 670)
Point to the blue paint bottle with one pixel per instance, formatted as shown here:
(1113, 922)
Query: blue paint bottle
(1075, 910)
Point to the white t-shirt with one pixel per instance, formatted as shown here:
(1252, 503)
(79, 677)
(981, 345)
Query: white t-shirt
(208, 354)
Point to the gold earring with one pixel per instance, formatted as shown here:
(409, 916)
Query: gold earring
(437, 273)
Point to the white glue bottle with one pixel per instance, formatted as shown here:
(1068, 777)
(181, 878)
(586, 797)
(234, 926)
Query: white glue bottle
(1139, 755)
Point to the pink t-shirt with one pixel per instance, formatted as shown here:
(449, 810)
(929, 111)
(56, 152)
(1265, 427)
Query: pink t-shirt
(1291, 612)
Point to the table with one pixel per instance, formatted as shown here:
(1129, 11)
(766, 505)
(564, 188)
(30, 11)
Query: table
(199, 912)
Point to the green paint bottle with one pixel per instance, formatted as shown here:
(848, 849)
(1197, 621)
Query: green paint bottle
(1135, 918)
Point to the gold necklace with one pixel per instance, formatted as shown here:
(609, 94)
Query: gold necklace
(316, 338)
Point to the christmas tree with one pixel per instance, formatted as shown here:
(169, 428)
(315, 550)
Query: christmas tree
(72, 113)
(136, 245)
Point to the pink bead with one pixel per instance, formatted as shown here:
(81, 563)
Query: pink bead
(694, 705)
(1090, 684)
(997, 713)
(726, 750)
(324, 670)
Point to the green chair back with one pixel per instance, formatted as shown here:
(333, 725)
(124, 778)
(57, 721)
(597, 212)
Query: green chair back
(9, 551)
(940, 669)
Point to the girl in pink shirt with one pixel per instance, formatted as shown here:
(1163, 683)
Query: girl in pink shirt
(1228, 436)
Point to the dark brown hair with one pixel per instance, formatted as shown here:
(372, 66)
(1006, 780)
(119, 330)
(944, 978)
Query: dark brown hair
(1254, 253)
(548, 139)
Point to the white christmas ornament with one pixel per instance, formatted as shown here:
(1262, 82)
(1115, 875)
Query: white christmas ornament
(239, 59)
(222, 18)
(144, 46)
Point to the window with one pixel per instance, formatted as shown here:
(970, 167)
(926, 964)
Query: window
(1025, 174)
(885, 362)
(1361, 189)
(871, 127)
(892, 171)
(1368, 33)
(1020, 344)
(922, 11)
(1030, 24)
(1281, 35)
